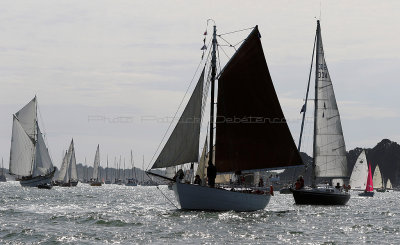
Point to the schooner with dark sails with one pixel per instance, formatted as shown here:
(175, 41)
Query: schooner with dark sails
(30, 160)
(329, 149)
(251, 132)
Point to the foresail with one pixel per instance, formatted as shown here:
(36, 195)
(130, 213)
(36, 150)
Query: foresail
(64, 167)
(96, 164)
(358, 178)
(22, 151)
(251, 131)
(202, 167)
(377, 179)
(43, 164)
(27, 118)
(389, 184)
(183, 144)
(329, 146)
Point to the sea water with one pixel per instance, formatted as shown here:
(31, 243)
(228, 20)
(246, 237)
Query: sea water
(142, 215)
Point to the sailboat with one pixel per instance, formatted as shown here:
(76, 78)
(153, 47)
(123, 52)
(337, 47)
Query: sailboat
(378, 180)
(329, 150)
(30, 161)
(132, 181)
(389, 185)
(107, 170)
(369, 188)
(251, 132)
(95, 180)
(359, 176)
(2, 176)
(68, 175)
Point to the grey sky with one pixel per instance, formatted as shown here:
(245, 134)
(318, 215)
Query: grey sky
(134, 59)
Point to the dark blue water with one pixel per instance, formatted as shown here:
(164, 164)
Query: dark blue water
(129, 215)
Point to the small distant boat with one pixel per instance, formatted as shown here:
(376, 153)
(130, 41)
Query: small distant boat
(369, 189)
(30, 161)
(132, 181)
(68, 175)
(329, 149)
(95, 179)
(378, 180)
(359, 176)
(2, 176)
(389, 186)
(107, 182)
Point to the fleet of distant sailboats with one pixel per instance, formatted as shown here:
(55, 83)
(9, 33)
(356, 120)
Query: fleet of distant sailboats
(242, 152)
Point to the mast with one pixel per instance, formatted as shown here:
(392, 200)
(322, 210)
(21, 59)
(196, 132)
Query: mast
(34, 138)
(213, 72)
(107, 169)
(313, 176)
(124, 170)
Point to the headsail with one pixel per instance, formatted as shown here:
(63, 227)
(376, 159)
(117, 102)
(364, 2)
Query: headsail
(183, 144)
(202, 167)
(43, 164)
(96, 164)
(251, 129)
(21, 153)
(389, 184)
(378, 178)
(329, 147)
(360, 173)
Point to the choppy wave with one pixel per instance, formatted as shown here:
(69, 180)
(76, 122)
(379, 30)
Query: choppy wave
(126, 215)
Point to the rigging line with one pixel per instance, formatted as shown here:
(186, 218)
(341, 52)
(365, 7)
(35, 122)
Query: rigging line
(180, 104)
(226, 33)
(225, 53)
(230, 45)
(167, 198)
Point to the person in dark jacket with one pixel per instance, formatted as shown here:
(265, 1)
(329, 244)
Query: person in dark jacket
(211, 174)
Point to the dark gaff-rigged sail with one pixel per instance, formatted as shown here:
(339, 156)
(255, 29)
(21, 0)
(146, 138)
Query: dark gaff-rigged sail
(183, 144)
(251, 129)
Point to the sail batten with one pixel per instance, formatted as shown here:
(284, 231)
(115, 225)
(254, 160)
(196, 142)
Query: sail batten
(251, 131)
(183, 144)
(329, 145)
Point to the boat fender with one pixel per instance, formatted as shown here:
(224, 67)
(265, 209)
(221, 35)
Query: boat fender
(271, 190)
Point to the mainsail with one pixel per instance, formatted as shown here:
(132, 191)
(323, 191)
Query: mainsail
(251, 131)
(29, 155)
(378, 178)
(358, 178)
(369, 186)
(329, 147)
(183, 144)
(72, 162)
(96, 164)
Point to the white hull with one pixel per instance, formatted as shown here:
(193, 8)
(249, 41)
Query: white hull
(195, 197)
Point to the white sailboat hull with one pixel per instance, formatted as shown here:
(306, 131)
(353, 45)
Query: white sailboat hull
(195, 197)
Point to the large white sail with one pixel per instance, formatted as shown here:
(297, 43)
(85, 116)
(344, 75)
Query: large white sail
(329, 146)
(27, 117)
(358, 178)
(183, 144)
(63, 169)
(43, 164)
(96, 164)
(377, 179)
(72, 162)
(22, 151)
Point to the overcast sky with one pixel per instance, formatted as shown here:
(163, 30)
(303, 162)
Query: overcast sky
(92, 62)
